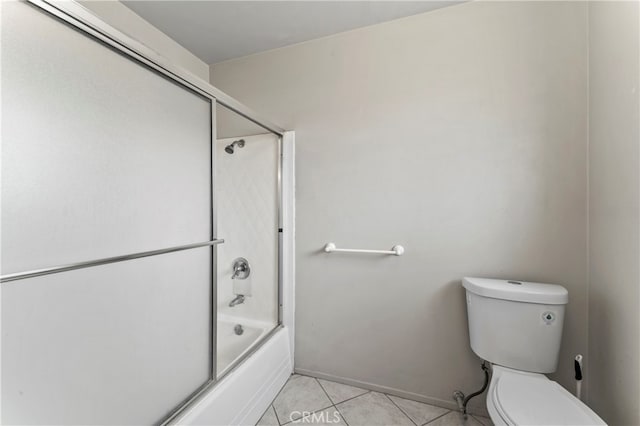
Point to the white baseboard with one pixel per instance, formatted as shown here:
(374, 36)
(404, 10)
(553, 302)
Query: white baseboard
(451, 405)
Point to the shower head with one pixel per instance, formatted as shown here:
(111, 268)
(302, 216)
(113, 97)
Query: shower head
(230, 148)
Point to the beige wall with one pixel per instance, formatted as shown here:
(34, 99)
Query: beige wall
(125, 20)
(614, 213)
(460, 134)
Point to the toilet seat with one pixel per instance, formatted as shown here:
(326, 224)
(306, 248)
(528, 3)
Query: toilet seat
(522, 398)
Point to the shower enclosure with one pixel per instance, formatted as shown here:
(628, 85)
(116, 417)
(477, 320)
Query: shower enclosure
(247, 204)
(147, 233)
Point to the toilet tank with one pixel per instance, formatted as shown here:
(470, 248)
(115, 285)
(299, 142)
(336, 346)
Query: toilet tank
(516, 324)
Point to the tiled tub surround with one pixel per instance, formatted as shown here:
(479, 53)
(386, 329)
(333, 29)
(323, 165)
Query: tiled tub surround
(307, 400)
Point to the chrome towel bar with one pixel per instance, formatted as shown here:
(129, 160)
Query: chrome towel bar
(396, 250)
(80, 265)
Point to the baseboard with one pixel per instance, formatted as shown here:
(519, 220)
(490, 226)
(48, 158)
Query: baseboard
(451, 405)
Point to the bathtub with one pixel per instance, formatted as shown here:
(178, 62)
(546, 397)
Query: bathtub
(245, 390)
(244, 394)
(231, 346)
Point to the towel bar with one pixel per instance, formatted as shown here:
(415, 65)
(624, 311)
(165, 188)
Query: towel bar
(396, 250)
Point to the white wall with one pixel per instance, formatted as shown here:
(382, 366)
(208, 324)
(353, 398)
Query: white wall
(460, 134)
(614, 212)
(124, 19)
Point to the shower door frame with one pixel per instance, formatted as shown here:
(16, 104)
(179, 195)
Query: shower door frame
(79, 18)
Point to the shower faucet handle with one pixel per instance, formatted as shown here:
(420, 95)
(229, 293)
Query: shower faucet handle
(241, 269)
(238, 269)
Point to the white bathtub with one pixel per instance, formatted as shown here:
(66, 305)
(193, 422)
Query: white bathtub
(244, 394)
(231, 346)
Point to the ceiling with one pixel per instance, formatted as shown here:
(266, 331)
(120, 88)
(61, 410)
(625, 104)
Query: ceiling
(219, 30)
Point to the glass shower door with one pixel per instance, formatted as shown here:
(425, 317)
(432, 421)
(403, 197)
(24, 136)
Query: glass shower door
(247, 197)
(101, 158)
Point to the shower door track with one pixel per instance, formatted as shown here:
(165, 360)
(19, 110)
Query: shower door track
(74, 14)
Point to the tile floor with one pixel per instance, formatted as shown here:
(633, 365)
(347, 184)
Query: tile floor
(309, 401)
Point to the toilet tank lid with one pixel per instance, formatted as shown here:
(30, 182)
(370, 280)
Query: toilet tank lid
(518, 291)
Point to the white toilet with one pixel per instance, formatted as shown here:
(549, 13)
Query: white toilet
(517, 326)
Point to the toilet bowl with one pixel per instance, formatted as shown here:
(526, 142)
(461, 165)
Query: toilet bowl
(517, 327)
(522, 398)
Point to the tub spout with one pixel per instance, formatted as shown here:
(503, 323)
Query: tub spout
(238, 300)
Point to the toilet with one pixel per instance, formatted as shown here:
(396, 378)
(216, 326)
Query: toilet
(517, 327)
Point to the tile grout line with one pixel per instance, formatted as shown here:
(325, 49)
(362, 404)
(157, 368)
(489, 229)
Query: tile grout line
(440, 416)
(265, 412)
(476, 418)
(276, 413)
(276, 397)
(309, 413)
(366, 391)
(354, 397)
(341, 415)
(325, 391)
(318, 410)
(401, 410)
(334, 405)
